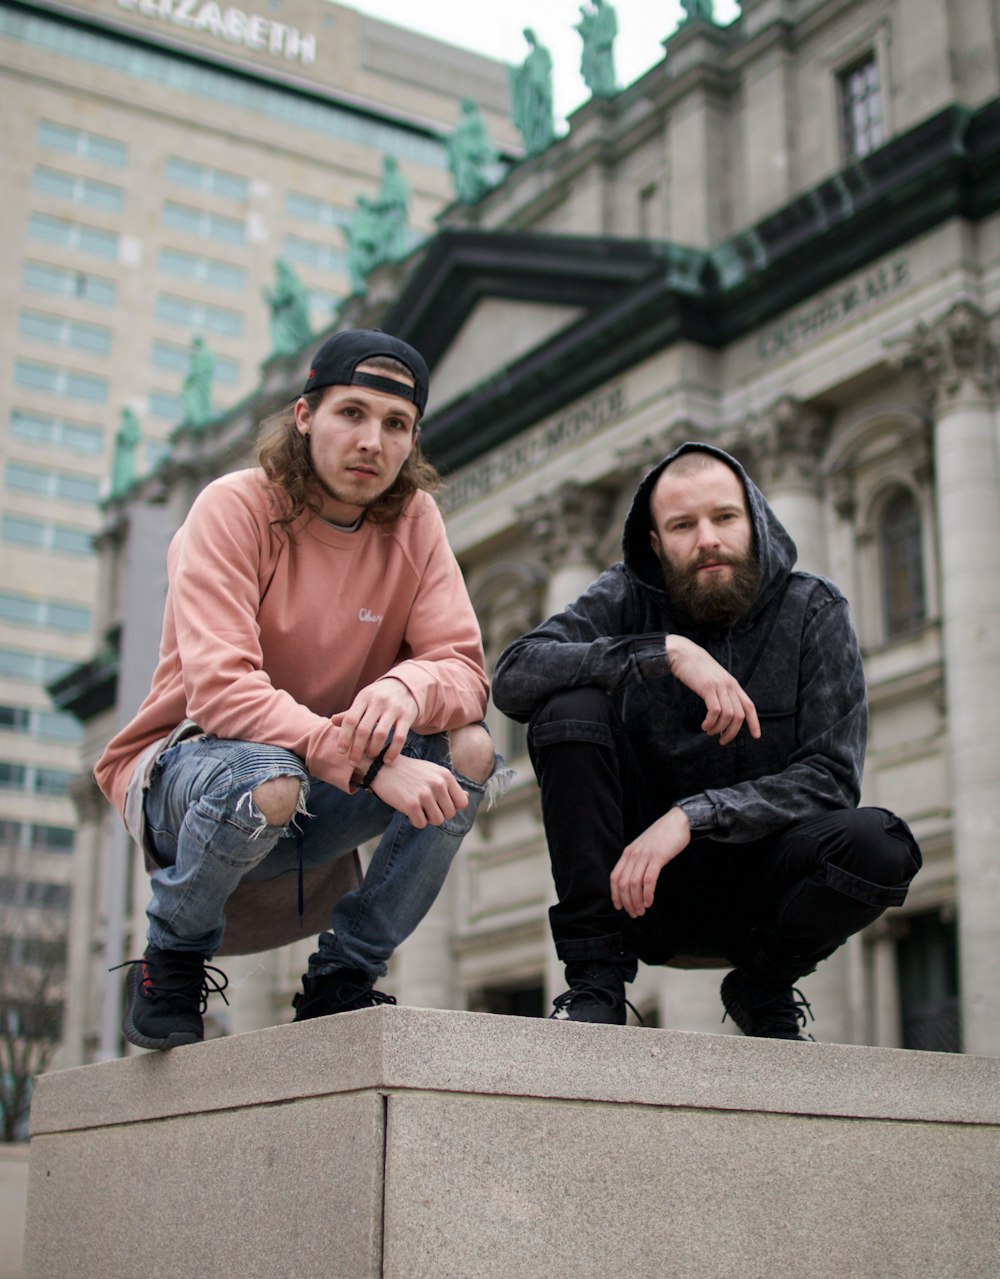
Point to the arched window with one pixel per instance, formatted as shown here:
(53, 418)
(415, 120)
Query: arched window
(902, 564)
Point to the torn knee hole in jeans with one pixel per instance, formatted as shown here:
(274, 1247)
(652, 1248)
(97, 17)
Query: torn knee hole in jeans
(261, 823)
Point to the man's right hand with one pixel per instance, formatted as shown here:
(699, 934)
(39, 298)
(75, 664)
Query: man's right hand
(727, 705)
(426, 793)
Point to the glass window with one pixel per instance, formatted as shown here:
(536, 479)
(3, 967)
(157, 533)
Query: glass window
(21, 477)
(57, 726)
(25, 610)
(166, 405)
(57, 381)
(192, 266)
(861, 108)
(296, 110)
(64, 332)
(12, 776)
(213, 226)
(52, 839)
(80, 190)
(196, 315)
(38, 428)
(73, 235)
(20, 530)
(315, 253)
(167, 355)
(52, 781)
(204, 178)
(901, 548)
(312, 209)
(95, 146)
(43, 278)
(15, 719)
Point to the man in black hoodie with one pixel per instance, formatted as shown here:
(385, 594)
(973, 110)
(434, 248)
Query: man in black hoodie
(698, 720)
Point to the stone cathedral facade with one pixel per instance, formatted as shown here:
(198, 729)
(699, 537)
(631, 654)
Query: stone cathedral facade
(784, 239)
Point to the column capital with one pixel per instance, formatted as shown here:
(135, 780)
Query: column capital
(567, 524)
(785, 443)
(955, 354)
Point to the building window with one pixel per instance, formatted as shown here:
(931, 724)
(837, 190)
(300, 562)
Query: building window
(315, 253)
(69, 186)
(927, 963)
(196, 315)
(43, 278)
(210, 226)
(95, 338)
(17, 664)
(45, 482)
(25, 719)
(36, 837)
(44, 535)
(204, 178)
(59, 137)
(69, 383)
(167, 355)
(510, 1001)
(73, 235)
(193, 266)
(902, 565)
(56, 432)
(166, 405)
(861, 108)
(312, 209)
(26, 610)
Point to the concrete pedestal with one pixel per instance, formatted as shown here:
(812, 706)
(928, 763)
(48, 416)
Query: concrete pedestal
(404, 1143)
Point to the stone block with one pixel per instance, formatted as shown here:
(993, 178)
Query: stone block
(402, 1143)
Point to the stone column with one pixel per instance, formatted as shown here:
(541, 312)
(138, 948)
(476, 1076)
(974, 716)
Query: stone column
(786, 444)
(957, 359)
(566, 527)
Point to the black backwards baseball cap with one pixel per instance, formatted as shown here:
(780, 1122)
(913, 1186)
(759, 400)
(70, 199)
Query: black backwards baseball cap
(336, 362)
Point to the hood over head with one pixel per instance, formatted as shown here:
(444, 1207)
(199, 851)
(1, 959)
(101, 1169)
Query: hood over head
(776, 552)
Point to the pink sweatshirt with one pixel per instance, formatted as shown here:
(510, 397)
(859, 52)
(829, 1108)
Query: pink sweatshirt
(269, 640)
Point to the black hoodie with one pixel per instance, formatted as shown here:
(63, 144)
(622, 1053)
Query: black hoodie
(795, 654)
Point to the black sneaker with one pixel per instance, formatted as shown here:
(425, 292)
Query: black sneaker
(166, 993)
(342, 991)
(765, 1012)
(596, 993)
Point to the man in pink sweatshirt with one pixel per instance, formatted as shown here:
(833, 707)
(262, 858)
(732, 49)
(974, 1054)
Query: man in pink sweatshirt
(320, 683)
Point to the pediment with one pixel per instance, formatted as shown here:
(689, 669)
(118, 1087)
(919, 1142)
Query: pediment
(497, 332)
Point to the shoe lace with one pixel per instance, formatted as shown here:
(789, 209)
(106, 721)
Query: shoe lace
(593, 991)
(788, 1009)
(172, 978)
(379, 997)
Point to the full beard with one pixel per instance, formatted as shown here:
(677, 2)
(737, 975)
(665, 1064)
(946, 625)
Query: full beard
(710, 599)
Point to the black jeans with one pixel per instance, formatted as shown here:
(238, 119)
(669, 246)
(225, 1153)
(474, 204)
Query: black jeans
(777, 905)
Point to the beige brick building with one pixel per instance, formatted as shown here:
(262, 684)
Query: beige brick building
(784, 238)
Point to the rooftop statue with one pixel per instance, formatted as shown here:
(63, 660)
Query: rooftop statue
(123, 457)
(393, 206)
(531, 85)
(471, 155)
(289, 303)
(196, 394)
(697, 11)
(598, 27)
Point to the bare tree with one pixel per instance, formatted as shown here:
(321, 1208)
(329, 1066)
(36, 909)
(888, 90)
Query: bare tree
(33, 926)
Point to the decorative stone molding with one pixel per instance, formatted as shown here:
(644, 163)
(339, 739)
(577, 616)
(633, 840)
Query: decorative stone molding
(566, 525)
(952, 353)
(785, 443)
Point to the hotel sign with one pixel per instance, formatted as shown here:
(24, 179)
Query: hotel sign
(251, 30)
(529, 450)
(829, 312)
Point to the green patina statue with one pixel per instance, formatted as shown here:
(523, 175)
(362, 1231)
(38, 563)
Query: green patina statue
(378, 231)
(196, 394)
(289, 303)
(123, 457)
(531, 86)
(471, 155)
(598, 27)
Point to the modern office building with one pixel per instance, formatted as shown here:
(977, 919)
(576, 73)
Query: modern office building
(159, 158)
(784, 238)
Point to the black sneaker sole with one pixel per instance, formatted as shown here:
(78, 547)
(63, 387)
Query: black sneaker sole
(176, 1038)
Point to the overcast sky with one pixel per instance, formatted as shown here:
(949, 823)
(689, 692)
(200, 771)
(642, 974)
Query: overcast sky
(495, 27)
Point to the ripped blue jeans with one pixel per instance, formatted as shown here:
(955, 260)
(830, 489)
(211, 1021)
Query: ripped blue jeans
(209, 835)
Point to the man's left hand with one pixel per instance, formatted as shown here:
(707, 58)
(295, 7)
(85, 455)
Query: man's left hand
(633, 880)
(384, 707)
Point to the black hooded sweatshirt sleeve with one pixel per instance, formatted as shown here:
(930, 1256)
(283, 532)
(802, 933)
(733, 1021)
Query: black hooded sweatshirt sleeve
(795, 653)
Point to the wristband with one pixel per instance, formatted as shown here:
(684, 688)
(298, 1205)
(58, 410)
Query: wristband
(373, 767)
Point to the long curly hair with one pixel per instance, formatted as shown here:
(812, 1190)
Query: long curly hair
(283, 455)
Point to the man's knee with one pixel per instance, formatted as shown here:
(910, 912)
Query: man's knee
(591, 705)
(879, 847)
(277, 800)
(472, 752)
